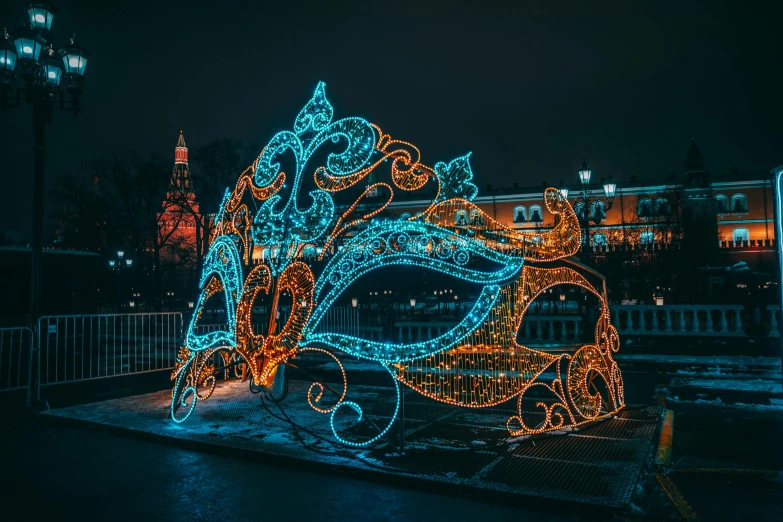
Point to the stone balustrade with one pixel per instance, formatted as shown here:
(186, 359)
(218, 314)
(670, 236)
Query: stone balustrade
(717, 320)
(690, 320)
(534, 328)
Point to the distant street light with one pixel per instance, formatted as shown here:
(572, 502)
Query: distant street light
(589, 207)
(28, 55)
(355, 301)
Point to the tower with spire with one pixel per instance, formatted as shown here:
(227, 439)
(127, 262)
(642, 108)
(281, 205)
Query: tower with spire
(699, 212)
(181, 184)
(179, 211)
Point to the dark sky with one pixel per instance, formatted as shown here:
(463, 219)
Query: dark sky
(530, 88)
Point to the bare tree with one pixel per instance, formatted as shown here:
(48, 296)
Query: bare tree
(216, 166)
(117, 202)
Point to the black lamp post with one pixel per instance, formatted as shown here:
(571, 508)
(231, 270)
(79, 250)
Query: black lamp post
(588, 207)
(28, 55)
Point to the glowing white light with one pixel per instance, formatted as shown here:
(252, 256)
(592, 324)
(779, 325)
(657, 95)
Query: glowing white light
(27, 49)
(40, 18)
(74, 61)
(52, 74)
(2, 60)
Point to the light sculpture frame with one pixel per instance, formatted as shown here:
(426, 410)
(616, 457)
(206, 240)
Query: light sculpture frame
(478, 363)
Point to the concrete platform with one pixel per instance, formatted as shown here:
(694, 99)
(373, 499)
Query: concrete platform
(445, 446)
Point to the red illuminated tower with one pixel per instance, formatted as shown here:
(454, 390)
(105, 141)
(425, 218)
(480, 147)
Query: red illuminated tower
(177, 219)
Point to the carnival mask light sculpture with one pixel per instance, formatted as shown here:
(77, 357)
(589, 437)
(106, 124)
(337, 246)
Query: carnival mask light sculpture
(478, 363)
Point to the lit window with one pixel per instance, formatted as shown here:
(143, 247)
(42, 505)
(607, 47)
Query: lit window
(475, 217)
(739, 204)
(741, 234)
(644, 207)
(599, 239)
(520, 214)
(662, 207)
(646, 237)
(535, 214)
(722, 203)
(405, 215)
(461, 217)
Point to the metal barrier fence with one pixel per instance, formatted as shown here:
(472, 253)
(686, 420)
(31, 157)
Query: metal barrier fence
(16, 358)
(340, 319)
(82, 347)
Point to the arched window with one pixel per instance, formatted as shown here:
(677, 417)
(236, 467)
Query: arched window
(309, 251)
(405, 215)
(644, 207)
(741, 234)
(520, 214)
(461, 217)
(475, 217)
(722, 203)
(646, 237)
(599, 239)
(739, 204)
(662, 207)
(536, 214)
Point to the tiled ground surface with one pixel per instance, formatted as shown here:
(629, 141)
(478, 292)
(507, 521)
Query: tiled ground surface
(467, 447)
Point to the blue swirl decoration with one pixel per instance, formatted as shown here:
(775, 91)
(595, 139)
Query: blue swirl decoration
(289, 226)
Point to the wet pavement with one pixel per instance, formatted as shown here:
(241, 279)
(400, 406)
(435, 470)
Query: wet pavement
(75, 473)
(445, 446)
(727, 464)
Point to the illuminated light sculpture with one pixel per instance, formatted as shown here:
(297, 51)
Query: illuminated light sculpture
(478, 363)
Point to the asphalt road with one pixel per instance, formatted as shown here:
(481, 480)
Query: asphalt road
(75, 473)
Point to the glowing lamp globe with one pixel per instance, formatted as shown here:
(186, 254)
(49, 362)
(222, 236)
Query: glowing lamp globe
(75, 62)
(609, 189)
(28, 45)
(564, 192)
(52, 69)
(41, 15)
(7, 61)
(584, 174)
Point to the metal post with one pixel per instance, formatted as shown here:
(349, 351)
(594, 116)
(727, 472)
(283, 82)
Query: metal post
(402, 420)
(777, 176)
(39, 157)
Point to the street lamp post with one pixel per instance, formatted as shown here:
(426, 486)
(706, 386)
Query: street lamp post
(28, 55)
(588, 207)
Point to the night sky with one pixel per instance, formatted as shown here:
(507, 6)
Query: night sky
(531, 89)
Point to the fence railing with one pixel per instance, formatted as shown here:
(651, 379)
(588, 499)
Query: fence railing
(16, 359)
(82, 347)
(340, 319)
